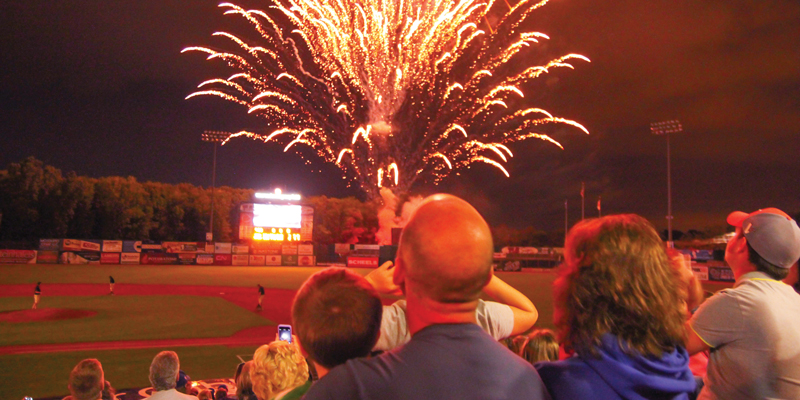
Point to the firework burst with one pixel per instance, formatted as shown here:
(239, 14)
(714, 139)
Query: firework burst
(391, 91)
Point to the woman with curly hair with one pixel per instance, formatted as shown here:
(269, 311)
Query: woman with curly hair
(620, 313)
(277, 367)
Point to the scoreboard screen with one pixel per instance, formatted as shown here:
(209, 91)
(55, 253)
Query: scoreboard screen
(277, 216)
(276, 222)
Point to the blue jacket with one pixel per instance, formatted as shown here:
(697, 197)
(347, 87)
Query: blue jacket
(619, 375)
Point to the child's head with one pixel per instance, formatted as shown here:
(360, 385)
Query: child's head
(540, 346)
(337, 316)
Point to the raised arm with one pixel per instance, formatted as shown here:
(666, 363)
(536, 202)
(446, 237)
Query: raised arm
(525, 313)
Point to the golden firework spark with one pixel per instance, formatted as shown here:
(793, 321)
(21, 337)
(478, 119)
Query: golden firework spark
(389, 82)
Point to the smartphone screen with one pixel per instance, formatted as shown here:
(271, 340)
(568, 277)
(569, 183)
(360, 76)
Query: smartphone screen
(285, 333)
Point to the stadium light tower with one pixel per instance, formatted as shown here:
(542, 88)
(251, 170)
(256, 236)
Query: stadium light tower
(213, 137)
(665, 128)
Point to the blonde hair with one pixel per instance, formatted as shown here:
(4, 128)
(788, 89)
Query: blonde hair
(276, 367)
(540, 345)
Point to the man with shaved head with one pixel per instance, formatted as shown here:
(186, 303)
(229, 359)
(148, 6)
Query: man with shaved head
(443, 263)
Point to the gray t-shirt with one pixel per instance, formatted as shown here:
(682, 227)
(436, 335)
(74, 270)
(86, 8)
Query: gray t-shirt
(754, 334)
(495, 318)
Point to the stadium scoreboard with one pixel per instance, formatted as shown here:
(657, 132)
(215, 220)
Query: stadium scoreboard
(276, 222)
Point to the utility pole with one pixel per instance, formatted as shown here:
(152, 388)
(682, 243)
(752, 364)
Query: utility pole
(214, 137)
(665, 128)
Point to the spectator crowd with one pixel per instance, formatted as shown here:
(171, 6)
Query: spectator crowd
(632, 322)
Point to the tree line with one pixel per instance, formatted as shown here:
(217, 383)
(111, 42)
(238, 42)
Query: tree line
(40, 201)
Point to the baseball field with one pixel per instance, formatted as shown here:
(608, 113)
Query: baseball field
(207, 315)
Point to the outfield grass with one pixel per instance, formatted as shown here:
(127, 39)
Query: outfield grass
(129, 318)
(45, 375)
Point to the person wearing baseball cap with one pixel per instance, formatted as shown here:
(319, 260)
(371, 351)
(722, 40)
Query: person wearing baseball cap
(753, 329)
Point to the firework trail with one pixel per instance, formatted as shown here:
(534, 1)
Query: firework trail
(391, 91)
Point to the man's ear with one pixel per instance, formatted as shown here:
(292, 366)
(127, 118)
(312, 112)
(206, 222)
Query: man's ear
(399, 275)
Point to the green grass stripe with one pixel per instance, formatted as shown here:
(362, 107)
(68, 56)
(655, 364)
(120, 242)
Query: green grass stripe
(129, 318)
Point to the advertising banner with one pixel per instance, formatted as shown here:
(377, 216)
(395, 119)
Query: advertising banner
(184, 247)
(306, 261)
(272, 260)
(272, 251)
(159, 258)
(700, 272)
(289, 259)
(222, 248)
(130, 246)
(129, 258)
(257, 260)
(289, 249)
(240, 259)
(187, 258)
(368, 247)
(222, 259)
(205, 259)
(70, 245)
(49, 244)
(109, 258)
(341, 248)
(18, 256)
(151, 247)
(305, 249)
(91, 245)
(79, 257)
(47, 257)
(721, 274)
(362, 262)
(240, 249)
(112, 246)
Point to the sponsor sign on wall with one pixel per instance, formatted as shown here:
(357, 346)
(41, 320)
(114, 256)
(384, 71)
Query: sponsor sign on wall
(289, 259)
(129, 258)
(341, 248)
(272, 260)
(70, 245)
(186, 258)
(258, 260)
(79, 257)
(159, 258)
(240, 259)
(289, 249)
(184, 247)
(47, 257)
(18, 256)
(721, 274)
(205, 259)
(151, 247)
(222, 248)
(112, 246)
(362, 262)
(305, 249)
(700, 272)
(306, 261)
(49, 244)
(131, 246)
(240, 249)
(109, 258)
(222, 259)
(275, 251)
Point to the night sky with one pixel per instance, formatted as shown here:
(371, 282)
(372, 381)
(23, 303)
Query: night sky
(97, 87)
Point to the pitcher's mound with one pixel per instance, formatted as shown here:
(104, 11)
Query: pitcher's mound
(43, 314)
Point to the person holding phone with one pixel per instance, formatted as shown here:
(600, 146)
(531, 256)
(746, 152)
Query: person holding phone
(277, 366)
